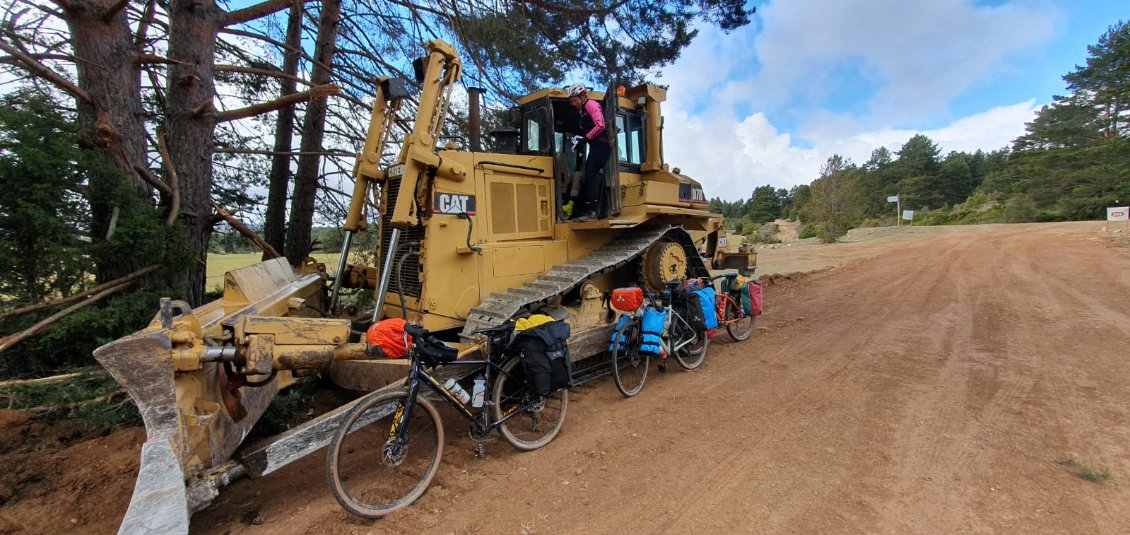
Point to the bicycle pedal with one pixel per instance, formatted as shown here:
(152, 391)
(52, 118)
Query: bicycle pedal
(662, 367)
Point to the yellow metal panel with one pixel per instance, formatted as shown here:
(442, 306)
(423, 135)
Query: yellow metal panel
(527, 204)
(519, 206)
(661, 193)
(522, 260)
(502, 208)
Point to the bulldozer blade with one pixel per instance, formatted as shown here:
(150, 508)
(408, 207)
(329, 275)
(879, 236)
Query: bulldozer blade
(197, 416)
(143, 367)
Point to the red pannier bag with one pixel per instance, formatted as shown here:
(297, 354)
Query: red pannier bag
(389, 335)
(627, 299)
(752, 299)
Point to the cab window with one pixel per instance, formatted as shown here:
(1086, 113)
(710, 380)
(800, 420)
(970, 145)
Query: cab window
(535, 136)
(629, 138)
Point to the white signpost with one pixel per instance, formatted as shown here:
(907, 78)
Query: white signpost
(1117, 213)
(898, 208)
(908, 215)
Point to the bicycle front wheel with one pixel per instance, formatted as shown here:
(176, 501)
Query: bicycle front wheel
(371, 472)
(532, 421)
(629, 366)
(738, 324)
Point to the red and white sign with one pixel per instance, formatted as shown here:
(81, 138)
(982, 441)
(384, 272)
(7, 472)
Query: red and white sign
(1118, 213)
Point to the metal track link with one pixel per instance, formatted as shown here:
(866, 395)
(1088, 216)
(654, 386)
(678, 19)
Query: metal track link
(501, 306)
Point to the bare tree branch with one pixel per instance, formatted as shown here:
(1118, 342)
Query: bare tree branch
(11, 340)
(12, 60)
(38, 69)
(49, 304)
(143, 24)
(263, 72)
(259, 10)
(174, 182)
(142, 59)
(243, 229)
(148, 177)
(230, 150)
(319, 91)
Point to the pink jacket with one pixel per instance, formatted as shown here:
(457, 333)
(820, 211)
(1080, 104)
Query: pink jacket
(592, 108)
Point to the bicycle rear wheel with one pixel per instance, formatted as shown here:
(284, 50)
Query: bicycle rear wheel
(692, 355)
(738, 324)
(629, 366)
(533, 420)
(370, 474)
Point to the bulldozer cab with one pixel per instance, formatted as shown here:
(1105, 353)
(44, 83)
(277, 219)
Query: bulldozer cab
(548, 125)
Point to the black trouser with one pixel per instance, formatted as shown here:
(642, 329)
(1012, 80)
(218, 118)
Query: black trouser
(592, 185)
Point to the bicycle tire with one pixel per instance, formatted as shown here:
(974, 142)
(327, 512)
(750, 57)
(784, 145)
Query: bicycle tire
(629, 366)
(734, 328)
(691, 356)
(539, 418)
(363, 478)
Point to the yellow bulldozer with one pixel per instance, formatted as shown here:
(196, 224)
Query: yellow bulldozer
(467, 239)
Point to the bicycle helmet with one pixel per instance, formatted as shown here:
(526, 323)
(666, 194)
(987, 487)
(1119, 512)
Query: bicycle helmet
(577, 90)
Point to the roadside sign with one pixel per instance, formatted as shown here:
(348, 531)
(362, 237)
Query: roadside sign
(1118, 213)
(893, 198)
(908, 215)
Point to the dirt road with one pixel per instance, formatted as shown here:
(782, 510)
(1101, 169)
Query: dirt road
(941, 382)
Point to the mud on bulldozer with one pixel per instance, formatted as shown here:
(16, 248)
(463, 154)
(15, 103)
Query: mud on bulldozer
(467, 239)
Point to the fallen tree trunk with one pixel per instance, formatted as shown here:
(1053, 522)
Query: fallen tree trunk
(45, 409)
(53, 379)
(77, 297)
(11, 340)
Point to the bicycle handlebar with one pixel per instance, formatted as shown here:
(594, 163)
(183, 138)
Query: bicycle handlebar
(415, 331)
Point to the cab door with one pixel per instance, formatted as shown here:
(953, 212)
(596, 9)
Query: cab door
(612, 168)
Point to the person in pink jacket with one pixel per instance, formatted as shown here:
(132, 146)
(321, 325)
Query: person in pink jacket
(595, 133)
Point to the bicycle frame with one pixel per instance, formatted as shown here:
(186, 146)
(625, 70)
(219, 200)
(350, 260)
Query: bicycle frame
(418, 375)
(723, 299)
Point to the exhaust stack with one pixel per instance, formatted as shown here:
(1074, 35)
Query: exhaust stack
(475, 119)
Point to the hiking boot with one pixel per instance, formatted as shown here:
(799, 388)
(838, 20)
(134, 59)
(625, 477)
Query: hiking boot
(591, 216)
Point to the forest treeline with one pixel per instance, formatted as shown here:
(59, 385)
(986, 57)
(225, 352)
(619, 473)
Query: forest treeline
(1071, 164)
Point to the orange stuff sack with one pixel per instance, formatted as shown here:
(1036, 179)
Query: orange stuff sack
(390, 337)
(627, 299)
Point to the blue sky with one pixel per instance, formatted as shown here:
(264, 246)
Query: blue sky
(770, 102)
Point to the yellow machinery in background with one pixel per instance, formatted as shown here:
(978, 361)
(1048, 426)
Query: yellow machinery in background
(468, 239)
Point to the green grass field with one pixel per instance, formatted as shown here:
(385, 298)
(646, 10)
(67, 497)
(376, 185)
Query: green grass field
(218, 264)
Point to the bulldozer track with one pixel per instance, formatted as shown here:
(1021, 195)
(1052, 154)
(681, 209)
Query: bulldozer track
(499, 307)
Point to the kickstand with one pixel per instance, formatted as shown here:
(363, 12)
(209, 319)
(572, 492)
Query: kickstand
(480, 449)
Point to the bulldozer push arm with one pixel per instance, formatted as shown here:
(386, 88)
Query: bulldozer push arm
(437, 73)
(417, 164)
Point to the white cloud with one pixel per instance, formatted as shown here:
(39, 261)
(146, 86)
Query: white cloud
(731, 157)
(921, 55)
(751, 108)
